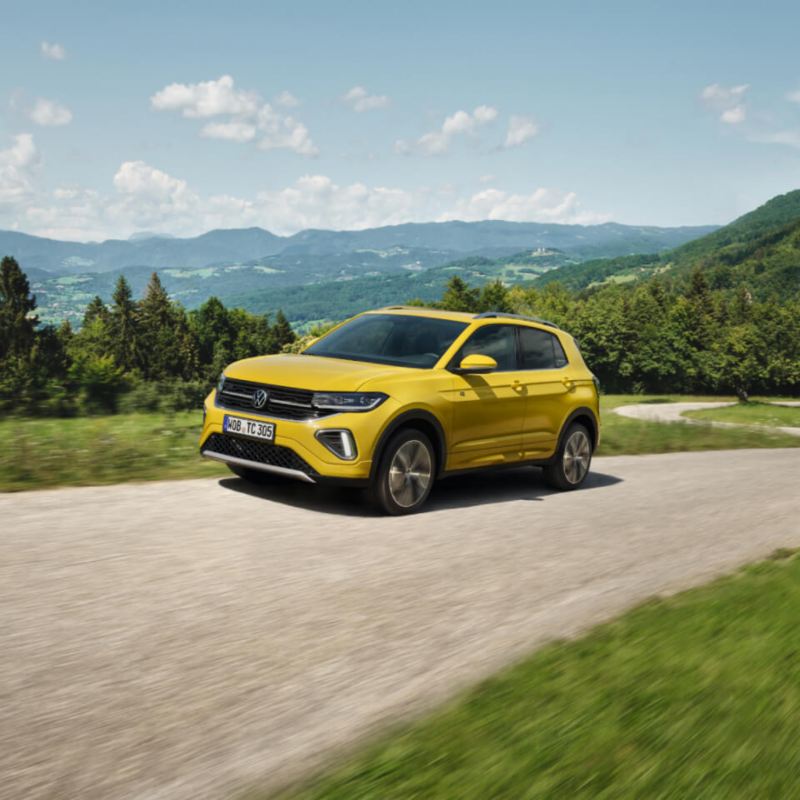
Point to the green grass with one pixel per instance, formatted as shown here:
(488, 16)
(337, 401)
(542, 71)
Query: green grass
(697, 696)
(752, 414)
(621, 435)
(38, 453)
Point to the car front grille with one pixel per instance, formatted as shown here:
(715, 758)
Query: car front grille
(282, 402)
(273, 455)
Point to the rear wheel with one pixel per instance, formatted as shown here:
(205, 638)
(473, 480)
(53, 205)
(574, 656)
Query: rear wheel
(405, 473)
(572, 461)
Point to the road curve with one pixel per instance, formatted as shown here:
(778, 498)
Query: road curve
(674, 412)
(194, 639)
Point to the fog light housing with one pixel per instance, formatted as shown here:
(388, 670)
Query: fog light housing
(340, 442)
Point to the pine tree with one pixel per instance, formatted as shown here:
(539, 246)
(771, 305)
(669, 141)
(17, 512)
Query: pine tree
(17, 304)
(282, 332)
(96, 309)
(459, 296)
(157, 332)
(124, 327)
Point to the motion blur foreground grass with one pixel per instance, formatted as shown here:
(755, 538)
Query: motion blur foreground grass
(46, 452)
(38, 453)
(693, 696)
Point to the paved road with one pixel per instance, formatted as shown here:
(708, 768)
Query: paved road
(191, 639)
(673, 412)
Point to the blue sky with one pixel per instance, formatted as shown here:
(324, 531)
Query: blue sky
(179, 117)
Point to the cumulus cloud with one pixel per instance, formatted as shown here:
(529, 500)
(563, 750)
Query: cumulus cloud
(520, 130)
(541, 205)
(438, 142)
(248, 117)
(141, 196)
(18, 165)
(48, 113)
(360, 100)
(286, 99)
(52, 51)
(726, 101)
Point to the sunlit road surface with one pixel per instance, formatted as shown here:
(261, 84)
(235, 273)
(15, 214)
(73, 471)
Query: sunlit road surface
(194, 639)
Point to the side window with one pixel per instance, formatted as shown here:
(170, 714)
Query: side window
(497, 341)
(540, 350)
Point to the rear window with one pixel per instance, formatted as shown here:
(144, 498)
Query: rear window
(540, 350)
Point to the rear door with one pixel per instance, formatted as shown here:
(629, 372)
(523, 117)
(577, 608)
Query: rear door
(488, 410)
(547, 389)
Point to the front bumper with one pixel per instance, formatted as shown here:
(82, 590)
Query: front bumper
(296, 452)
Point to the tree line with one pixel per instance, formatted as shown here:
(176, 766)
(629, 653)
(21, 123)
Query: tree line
(664, 335)
(132, 354)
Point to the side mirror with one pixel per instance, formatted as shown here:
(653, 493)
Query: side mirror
(477, 364)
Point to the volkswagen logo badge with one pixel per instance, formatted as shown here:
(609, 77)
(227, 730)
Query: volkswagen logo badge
(259, 398)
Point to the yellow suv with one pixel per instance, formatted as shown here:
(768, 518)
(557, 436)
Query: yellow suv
(395, 398)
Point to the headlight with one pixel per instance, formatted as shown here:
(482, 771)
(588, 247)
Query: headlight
(221, 381)
(347, 401)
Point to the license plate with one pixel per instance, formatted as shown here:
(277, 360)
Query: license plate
(249, 427)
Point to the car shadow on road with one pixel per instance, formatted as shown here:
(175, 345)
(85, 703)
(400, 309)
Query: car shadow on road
(463, 491)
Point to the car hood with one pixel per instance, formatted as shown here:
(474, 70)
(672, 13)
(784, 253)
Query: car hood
(312, 372)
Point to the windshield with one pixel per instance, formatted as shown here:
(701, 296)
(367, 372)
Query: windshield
(404, 341)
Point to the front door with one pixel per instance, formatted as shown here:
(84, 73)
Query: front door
(488, 410)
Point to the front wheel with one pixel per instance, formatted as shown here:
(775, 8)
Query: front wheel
(571, 463)
(405, 473)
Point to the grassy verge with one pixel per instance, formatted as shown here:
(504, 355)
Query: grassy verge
(632, 436)
(752, 414)
(693, 696)
(38, 453)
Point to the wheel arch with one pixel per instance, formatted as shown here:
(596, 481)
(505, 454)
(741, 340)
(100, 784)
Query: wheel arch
(586, 417)
(421, 420)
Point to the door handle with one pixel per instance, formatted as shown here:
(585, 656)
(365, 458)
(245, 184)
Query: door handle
(569, 383)
(517, 386)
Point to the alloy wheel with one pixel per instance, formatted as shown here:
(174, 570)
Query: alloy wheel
(410, 473)
(577, 456)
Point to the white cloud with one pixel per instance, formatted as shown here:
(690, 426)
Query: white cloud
(541, 205)
(790, 138)
(520, 130)
(18, 165)
(794, 97)
(52, 51)
(726, 101)
(279, 131)
(144, 197)
(438, 142)
(733, 116)
(286, 99)
(48, 113)
(234, 131)
(206, 99)
(249, 118)
(360, 100)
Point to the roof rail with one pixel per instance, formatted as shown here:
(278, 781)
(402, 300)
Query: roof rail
(501, 314)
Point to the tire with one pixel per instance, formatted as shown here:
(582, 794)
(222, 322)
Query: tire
(571, 464)
(405, 474)
(253, 475)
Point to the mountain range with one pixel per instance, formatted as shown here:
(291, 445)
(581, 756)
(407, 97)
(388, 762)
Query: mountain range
(242, 263)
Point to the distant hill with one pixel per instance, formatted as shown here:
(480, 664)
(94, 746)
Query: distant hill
(761, 248)
(237, 246)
